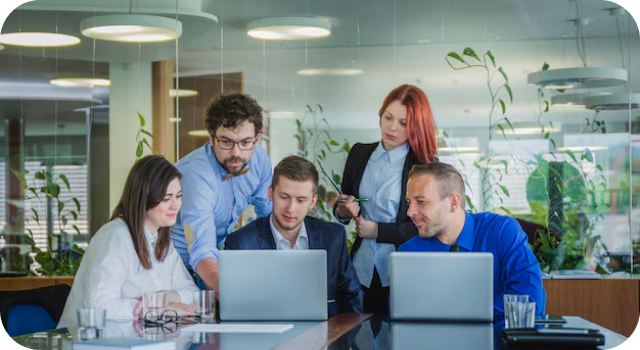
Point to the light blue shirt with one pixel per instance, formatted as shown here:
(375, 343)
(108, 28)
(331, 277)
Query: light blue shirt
(212, 206)
(382, 184)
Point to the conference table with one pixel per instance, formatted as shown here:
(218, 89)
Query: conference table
(343, 331)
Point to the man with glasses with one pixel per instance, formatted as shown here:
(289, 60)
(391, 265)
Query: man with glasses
(219, 180)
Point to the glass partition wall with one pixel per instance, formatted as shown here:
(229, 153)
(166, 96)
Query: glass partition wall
(549, 146)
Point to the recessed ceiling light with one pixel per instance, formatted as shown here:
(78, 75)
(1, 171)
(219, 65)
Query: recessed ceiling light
(579, 78)
(175, 120)
(289, 28)
(330, 71)
(80, 82)
(199, 133)
(575, 100)
(526, 131)
(424, 41)
(582, 148)
(131, 28)
(182, 93)
(38, 39)
(616, 102)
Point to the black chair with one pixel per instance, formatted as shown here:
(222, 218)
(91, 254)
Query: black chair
(33, 310)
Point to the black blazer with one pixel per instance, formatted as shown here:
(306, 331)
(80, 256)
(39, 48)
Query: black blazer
(343, 285)
(395, 233)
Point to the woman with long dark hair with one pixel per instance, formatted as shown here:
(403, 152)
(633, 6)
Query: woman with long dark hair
(378, 172)
(132, 254)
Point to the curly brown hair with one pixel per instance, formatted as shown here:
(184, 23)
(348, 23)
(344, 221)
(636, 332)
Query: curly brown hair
(230, 110)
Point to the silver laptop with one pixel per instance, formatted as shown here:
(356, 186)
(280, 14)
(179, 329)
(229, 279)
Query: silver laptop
(273, 285)
(441, 286)
(448, 335)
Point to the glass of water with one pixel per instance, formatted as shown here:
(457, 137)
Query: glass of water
(204, 304)
(91, 323)
(153, 305)
(513, 308)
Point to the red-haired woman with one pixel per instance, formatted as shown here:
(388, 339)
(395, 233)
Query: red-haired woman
(378, 172)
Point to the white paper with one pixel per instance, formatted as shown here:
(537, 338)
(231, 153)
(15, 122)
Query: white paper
(238, 328)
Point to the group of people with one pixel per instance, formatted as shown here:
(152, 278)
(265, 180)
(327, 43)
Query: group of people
(172, 220)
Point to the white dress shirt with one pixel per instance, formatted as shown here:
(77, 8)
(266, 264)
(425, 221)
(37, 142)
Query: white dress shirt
(111, 276)
(302, 242)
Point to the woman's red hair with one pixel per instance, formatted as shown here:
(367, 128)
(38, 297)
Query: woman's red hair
(421, 127)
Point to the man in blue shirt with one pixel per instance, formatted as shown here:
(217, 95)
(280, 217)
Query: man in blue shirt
(219, 180)
(435, 193)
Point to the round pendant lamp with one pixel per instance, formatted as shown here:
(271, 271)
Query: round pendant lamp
(131, 28)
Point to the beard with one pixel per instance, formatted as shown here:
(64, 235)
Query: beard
(234, 170)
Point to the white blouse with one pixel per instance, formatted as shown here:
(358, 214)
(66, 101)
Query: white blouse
(111, 276)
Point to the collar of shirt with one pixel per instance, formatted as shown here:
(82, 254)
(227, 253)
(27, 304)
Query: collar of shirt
(394, 155)
(277, 237)
(467, 236)
(151, 238)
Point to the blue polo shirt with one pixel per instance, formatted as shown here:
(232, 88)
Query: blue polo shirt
(515, 268)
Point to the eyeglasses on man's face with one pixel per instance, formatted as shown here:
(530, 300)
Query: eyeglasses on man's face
(245, 145)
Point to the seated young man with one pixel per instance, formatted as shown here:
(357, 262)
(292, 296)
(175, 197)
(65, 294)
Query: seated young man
(293, 193)
(435, 193)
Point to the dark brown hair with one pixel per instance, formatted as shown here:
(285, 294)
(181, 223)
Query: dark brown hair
(297, 169)
(421, 127)
(449, 178)
(230, 110)
(145, 188)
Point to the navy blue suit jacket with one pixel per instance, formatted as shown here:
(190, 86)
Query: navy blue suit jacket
(342, 282)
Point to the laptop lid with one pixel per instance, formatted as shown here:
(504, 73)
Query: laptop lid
(441, 286)
(273, 285)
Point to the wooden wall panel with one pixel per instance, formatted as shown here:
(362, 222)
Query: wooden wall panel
(164, 132)
(23, 283)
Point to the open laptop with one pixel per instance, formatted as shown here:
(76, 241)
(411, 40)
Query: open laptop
(273, 285)
(441, 286)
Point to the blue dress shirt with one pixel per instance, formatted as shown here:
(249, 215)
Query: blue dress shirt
(381, 184)
(212, 206)
(515, 268)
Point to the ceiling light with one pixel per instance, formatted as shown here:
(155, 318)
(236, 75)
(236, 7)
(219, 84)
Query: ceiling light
(424, 41)
(577, 100)
(614, 102)
(457, 149)
(199, 133)
(578, 78)
(527, 131)
(1, 47)
(329, 71)
(182, 93)
(38, 39)
(582, 148)
(282, 114)
(175, 120)
(289, 28)
(131, 28)
(80, 82)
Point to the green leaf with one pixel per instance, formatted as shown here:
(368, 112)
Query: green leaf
(298, 123)
(493, 59)
(337, 179)
(75, 200)
(455, 56)
(35, 215)
(509, 122)
(502, 130)
(469, 52)
(60, 207)
(54, 189)
(334, 143)
(76, 229)
(64, 179)
(507, 211)
(142, 121)
(506, 170)
(320, 107)
(505, 190)
(545, 66)
(33, 190)
(148, 145)
(21, 179)
(146, 133)
(506, 86)
(323, 154)
(297, 137)
(504, 75)
(599, 167)
(75, 215)
(570, 154)
(587, 155)
(40, 175)
(546, 135)
(504, 107)
(553, 142)
(139, 150)
(546, 107)
(64, 220)
(309, 109)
